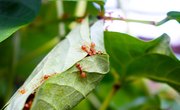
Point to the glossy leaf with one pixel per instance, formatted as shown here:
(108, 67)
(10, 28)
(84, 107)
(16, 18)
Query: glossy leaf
(132, 57)
(172, 15)
(15, 13)
(123, 48)
(157, 67)
(65, 90)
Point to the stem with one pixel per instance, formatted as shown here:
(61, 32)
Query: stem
(80, 8)
(115, 88)
(115, 75)
(94, 100)
(113, 91)
(131, 20)
(162, 21)
(60, 12)
(66, 19)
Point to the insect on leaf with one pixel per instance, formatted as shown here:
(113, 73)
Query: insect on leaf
(61, 58)
(64, 91)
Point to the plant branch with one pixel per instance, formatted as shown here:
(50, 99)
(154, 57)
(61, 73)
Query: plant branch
(113, 91)
(65, 19)
(131, 20)
(60, 13)
(94, 100)
(115, 88)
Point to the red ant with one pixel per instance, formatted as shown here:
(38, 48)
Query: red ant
(83, 74)
(46, 77)
(22, 91)
(91, 51)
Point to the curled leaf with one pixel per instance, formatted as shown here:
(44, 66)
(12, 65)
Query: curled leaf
(64, 91)
(97, 35)
(62, 57)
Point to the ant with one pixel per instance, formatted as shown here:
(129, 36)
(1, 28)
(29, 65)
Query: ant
(91, 51)
(82, 74)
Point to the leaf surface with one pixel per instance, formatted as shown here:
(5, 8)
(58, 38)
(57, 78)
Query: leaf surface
(132, 57)
(64, 91)
(62, 57)
(16, 13)
(172, 15)
(97, 35)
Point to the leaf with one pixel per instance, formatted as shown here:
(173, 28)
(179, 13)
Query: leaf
(132, 57)
(172, 15)
(123, 48)
(14, 14)
(157, 67)
(65, 90)
(97, 35)
(61, 58)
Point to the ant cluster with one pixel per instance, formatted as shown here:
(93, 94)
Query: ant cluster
(90, 51)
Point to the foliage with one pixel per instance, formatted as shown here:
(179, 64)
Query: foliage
(136, 58)
(172, 15)
(14, 14)
(57, 82)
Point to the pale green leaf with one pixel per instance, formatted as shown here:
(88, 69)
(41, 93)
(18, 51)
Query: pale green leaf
(65, 90)
(62, 57)
(97, 35)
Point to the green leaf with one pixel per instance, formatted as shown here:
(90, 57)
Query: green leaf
(172, 15)
(135, 58)
(157, 67)
(60, 58)
(65, 90)
(123, 48)
(14, 14)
